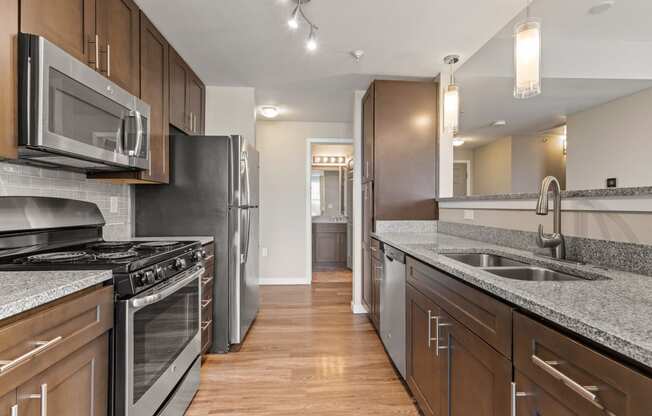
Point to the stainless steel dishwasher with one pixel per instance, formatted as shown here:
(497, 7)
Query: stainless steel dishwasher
(392, 306)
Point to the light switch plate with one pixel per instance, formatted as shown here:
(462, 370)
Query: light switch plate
(468, 214)
(265, 252)
(113, 202)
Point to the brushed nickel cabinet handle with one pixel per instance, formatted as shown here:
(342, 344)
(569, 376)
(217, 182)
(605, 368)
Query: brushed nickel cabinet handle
(514, 395)
(42, 346)
(584, 391)
(43, 396)
(108, 60)
(14, 410)
(206, 281)
(96, 62)
(437, 326)
(205, 303)
(206, 324)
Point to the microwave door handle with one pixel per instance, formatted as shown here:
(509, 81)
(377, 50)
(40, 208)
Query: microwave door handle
(139, 133)
(143, 301)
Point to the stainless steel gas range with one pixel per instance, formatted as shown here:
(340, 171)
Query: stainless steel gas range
(156, 340)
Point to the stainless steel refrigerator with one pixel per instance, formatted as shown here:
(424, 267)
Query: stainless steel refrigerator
(213, 191)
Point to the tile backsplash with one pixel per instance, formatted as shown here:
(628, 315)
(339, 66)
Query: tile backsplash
(34, 181)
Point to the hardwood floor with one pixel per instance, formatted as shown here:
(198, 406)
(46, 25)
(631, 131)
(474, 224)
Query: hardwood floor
(306, 354)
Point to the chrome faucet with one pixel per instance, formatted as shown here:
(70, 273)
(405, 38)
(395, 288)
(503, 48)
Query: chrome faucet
(554, 241)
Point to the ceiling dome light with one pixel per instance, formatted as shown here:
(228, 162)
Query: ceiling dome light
(269, 111)
(527, 57)
(458, 142)
(311, 43)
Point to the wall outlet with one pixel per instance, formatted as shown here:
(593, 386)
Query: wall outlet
(265, 252)
(113, 202)
(468, 214)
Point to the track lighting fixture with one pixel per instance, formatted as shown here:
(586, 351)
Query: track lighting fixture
(294, 20)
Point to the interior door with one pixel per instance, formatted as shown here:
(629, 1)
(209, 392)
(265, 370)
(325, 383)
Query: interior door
(119, 34)
(70, 24)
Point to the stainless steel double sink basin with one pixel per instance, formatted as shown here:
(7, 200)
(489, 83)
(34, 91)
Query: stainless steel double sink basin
(510, 268)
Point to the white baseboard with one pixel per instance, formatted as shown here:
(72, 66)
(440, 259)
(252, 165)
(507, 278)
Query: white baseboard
(358, 308)
(270, 281)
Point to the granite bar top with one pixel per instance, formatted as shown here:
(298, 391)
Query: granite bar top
(585, 193)
(22, 291)
(202, 239)
(612, 308)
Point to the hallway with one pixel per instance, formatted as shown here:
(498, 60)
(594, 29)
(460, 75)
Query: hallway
(306, 354)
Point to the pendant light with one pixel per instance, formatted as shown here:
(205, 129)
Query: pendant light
(527, 57)
(294, 21)
(452, 99)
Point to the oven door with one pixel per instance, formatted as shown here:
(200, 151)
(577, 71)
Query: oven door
(158, 340)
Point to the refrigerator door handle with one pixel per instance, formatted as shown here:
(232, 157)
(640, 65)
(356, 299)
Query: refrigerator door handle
(245, 250)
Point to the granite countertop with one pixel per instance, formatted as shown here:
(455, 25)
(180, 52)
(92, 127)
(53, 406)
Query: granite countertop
(583, 193)
(202, 239)
(22, 291)
(612, 308)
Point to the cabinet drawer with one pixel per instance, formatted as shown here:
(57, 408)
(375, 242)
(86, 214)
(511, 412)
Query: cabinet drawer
(487, 317)
(584, 380)
(210, 250)
(34, 343)
(206, 336)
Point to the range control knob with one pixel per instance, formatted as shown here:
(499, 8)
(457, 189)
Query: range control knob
(158, 273)
(148, 277)
(179, 264)
(199, 255)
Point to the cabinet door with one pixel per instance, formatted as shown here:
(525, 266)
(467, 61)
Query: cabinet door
(8, 403)
(479, 378)
(368, 134)
(537, 401)
(325, 247)
(366, 244)
(76, 385)
(196, 104)
(425, 372)
(118, 30)
(179, 116)
(8, 78)
(70, 24)
(154, 91)
(377, 276)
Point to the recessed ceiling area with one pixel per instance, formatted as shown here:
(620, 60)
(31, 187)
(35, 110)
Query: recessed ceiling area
(248, 43)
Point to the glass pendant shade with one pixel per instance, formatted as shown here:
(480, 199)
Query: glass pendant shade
(527, 59)
(452, 109)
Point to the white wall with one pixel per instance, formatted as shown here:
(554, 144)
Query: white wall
(613, 140)
(231, 110)
(283, 149)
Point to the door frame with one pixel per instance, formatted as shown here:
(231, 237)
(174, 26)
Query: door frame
(468, 174)
(309, 143)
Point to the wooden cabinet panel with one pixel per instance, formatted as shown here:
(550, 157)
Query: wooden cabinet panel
(208, 282)
(328, 245)
(7, 402)
(76, 385)
(376, 279)
(563, 368)
(425, 374)
(366, 277)
(118, 30)
(368, 135)
(70, 24)
(486, 316)
(179, 73)
(479, 378)
(537, 401)
(8, 78)
(154, 80)
(367, 227)
(196, 104)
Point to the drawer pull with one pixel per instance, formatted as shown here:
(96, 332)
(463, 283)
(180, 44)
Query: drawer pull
(205, 303)
(206, 324)
(44, 399)
(584, 391)
(515, 394)
(206, 280)
(437, 326)
(42, 346)
(14, 410)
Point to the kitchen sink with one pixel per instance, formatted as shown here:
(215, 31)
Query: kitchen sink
(530, 273)
(485, 260)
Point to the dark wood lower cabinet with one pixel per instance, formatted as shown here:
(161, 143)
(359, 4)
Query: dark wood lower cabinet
(328, 245)
(537, 401)
(75, 386)
(425, 374)
(376, 279)
(207, 285)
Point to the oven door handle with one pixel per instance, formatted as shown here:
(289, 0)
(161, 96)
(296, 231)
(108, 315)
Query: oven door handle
(141, 302)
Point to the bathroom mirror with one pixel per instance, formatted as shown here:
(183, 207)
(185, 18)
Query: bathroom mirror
(591, 126)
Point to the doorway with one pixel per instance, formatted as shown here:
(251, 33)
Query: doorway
(329, 208)
(461, 178)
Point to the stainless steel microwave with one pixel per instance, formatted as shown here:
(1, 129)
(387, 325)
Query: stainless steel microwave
(71, 116)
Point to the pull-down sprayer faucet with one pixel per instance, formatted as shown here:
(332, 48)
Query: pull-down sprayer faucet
(554, 241)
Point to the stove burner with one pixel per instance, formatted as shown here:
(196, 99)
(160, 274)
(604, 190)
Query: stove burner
(116, 255)
(62, 256)
(110, 245)
(156, 245)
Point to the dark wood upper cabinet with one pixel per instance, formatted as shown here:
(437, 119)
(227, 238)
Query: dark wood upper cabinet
(425, 374)
(479, 378)
(187, 96)
(70, 24)
(118, 32)
(8, 79)
(368, 134)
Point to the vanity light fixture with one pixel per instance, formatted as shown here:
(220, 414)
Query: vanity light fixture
(329, 161)
(452, 99)
(294, 21)
(269, 111)
(527, 57)
(458, 142)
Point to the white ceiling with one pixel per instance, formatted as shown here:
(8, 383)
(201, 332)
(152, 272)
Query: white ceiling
(247, 43)
(587, 60)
